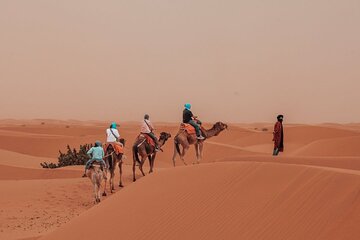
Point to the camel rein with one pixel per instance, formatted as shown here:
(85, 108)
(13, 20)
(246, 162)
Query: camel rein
(109, 154)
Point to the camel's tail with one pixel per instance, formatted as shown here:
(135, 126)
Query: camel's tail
(135, 153)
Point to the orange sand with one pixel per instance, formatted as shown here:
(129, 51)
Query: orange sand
(239, 191)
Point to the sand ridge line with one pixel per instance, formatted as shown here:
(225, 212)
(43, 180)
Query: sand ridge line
(12, 133)
(230, 146)
(333, 169)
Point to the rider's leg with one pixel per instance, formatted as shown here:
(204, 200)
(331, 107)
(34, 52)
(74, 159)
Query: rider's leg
(197, 128)
(276, 152)
(102, 164)
(153, 137)
(88, 164)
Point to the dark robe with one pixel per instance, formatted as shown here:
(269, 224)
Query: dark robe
(278, 136)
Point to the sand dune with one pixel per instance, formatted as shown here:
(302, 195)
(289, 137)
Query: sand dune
(18, 173)
(31, 208)
(21, 160)
(296, 137)
(350, 163)
(239, 191)
(345, 146)
(226, 201)
(308, 134)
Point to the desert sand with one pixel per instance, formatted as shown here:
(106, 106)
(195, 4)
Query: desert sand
(239, 191)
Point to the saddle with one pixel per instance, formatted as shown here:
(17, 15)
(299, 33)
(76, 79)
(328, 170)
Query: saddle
(95, 163)
(116, 146)
(98, 164)
(188, 128)
(148, 139)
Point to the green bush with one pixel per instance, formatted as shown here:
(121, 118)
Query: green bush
(71, 157)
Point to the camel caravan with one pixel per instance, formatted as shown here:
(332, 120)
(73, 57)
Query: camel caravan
(105, 157)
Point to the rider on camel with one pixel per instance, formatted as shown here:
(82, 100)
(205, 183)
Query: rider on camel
(189, 118)
(96, 154)
(113, 137)
(147, 128)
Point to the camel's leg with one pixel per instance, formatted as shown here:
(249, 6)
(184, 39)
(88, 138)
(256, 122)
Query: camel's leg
(142, 164)
(197, 153)
(112, 175)
(98, 190)
(201, 147)
(95, 189)
(149, 157)
(105, 182)
(185, 149)
(175, 154)
(120, 171)
(101, 177)
(99, 200)
(134, 165)
(105, 176)
(152, 160)
(112, 172)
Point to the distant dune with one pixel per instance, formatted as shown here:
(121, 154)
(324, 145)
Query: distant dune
(343, 146)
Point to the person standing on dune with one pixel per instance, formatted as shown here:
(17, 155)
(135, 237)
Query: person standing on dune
(278, 136)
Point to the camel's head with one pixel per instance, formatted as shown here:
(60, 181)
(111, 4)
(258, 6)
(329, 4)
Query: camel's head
(164, 136)
(220, 126)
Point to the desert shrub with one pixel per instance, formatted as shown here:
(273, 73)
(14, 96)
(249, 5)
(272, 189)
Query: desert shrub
(71, 157)
(264, 129)
(48, 165)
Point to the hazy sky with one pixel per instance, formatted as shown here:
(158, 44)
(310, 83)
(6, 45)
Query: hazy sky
(235, 61)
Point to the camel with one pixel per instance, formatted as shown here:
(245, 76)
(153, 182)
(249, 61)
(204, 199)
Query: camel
(185, 139)
(145, 150)
(96, 176)
(111, 159)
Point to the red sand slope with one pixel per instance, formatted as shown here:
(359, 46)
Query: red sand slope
(18, 173)
(345, 146)
(226, 201)
(21, 160)
(350, 163)
(33, 207)
(31, 191)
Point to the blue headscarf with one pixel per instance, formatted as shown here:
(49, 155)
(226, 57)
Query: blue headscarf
(98, 144)
(113, 125)
(187, 106)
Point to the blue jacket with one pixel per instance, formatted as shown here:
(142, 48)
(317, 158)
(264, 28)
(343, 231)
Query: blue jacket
(96, 153)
